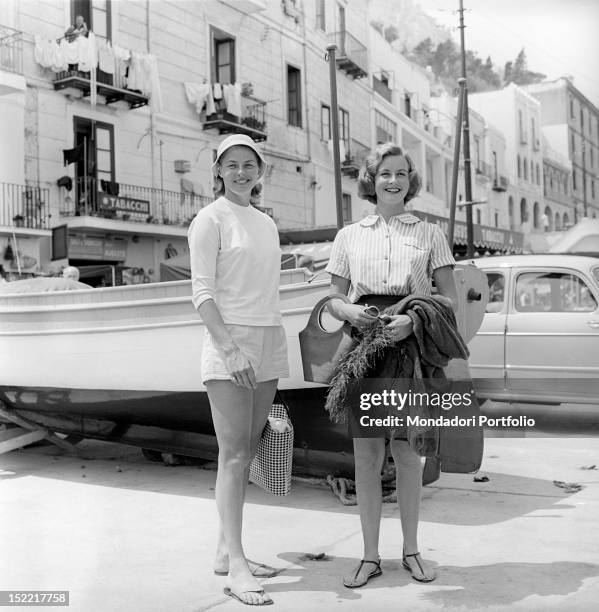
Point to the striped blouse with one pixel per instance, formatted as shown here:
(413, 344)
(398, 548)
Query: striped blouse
(394, 258)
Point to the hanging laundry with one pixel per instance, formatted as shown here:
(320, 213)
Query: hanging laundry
(110, 187)
(218, 91)
(155, 90)
(88, 52)
(106, 58)
(122, 57)
(200, 94)
(70, 50)
(66, 182)
(71, 156)
(232, 99)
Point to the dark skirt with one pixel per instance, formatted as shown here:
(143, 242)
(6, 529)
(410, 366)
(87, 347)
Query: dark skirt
(394, 427)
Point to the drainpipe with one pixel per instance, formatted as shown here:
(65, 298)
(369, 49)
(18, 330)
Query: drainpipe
(152, 118)
(308, 135)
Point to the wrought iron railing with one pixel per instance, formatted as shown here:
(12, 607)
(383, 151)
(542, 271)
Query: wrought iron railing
(126, 202)
(24, 205)
(253, 113)
(11, 50)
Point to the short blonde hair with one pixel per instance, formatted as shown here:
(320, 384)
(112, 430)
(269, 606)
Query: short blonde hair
(371, 164)
(218, 185)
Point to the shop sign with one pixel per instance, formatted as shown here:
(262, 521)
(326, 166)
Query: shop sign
(122, 204)
(483, 235)
(97, 248)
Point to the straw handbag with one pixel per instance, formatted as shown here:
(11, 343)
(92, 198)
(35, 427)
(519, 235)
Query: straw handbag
(322, 350)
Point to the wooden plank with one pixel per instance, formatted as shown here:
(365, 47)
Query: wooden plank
(21, 439)
(25, 424)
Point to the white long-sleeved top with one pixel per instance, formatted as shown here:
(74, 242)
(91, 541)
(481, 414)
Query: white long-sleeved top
(236, 260)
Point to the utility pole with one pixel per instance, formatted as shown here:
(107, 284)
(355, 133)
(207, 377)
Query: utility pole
(584, 178)
(331, 49)
(466, 145)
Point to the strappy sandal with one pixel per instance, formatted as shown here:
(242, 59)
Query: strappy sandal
(373, 574)
(407, 566)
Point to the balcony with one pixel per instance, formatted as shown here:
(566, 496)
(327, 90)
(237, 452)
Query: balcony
(11, 50)
(26, 206)
(382, 88)
(484, 170)
(500, 183)
(351, 54)
(252, 121)
(354, 157)
(112, 88)
(133, 203)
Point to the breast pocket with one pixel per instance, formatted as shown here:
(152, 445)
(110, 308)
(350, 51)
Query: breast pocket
(415, 251)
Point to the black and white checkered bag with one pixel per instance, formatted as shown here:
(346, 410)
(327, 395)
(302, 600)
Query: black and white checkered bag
(271, 467)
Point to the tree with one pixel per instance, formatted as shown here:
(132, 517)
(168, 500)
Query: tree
(517, 72)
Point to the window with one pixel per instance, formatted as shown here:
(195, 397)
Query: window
(553, 292)
(346, 207)
(95, 163)
(494, 154)
(407, 102)
(496, 219)
(320, 15)
(325, 122)
(386, 130)
(538, 175)
(593, 189)
(496, 282)
(477, 154)
(571, 108)
(592, 158)
(574, 179)
(429, 176)
(97, 16)
(521, 125)
(573, 143)
(478, 217)
(344, 128)
(582, 119)
(525, 169)
(223, 57)
(519, 167)
(532, 131)
(294, 96)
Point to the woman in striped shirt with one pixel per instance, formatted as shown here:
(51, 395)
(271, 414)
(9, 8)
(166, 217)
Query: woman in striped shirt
(391, 252)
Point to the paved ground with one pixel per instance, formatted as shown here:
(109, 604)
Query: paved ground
(124, 534)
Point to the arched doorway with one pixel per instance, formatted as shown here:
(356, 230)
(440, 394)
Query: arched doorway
(547, 220)
(510, 211)
(523, 211)
(557, 225)
(565, 221)
(535, 216)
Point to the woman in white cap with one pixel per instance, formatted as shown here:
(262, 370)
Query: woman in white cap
(235, 271)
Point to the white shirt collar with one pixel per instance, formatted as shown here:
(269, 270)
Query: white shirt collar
(405, 217)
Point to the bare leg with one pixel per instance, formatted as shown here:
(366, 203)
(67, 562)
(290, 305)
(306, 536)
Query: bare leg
(237, 413)
(408, 469)
(262, 401)
(369, 454)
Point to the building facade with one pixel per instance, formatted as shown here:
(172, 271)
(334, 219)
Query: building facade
(108, 139)
(571, 126)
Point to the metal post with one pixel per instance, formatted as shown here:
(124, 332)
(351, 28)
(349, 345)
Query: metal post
(456, 163)
(85, 174)
(161, 182)
(584, 179)
(466, 137)
(335, 123)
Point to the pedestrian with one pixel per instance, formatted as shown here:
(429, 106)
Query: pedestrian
(390, 253)
(71, 272)
(235, 270)
(79, 28)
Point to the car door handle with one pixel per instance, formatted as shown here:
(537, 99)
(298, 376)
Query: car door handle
(594, 324)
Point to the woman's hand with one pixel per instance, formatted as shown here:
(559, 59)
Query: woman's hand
(239, 368)
(357, 316)
(400, 325)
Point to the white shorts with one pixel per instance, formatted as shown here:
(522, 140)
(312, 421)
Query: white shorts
(264, 346)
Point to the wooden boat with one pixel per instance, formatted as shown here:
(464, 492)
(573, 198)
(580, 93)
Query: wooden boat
(122, 364)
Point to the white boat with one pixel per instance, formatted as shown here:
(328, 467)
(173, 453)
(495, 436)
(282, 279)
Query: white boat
(122, 363)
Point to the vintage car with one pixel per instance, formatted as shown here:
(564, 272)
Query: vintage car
(539, 340)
